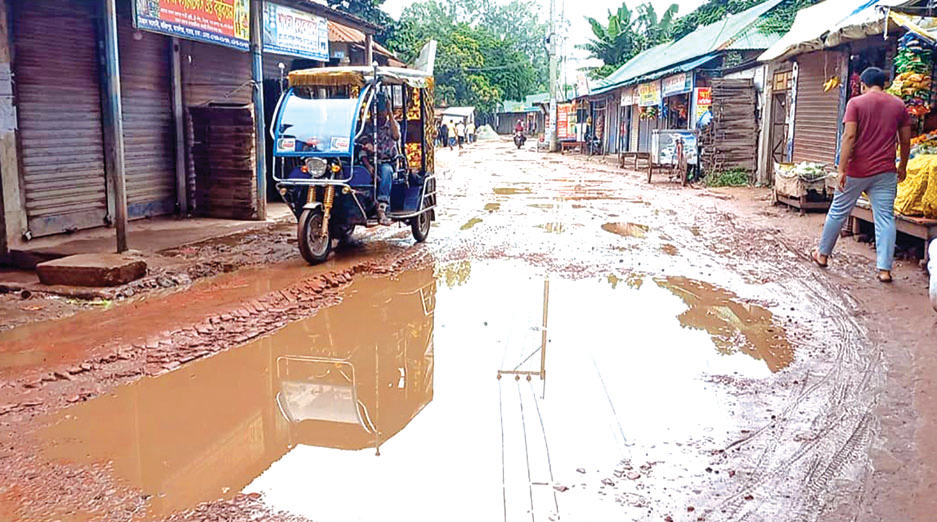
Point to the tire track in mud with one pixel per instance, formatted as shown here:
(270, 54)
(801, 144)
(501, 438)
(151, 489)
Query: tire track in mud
(841, 431)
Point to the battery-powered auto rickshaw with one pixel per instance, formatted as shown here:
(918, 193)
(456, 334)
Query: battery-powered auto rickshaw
(323, 166)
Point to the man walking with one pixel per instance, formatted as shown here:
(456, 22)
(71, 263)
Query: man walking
(460, 133)
(443, 134)
(470, 132)
(874, 121)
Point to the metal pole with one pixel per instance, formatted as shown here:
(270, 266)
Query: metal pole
(113, 123)
(543, 331)
(551, 131)
(369, 49)
(178, 114)
(260, 134)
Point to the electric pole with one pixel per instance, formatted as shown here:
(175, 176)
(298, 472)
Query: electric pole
(551, 129)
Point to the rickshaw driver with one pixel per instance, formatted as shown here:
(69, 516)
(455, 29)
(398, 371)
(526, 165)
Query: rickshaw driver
(388, 135)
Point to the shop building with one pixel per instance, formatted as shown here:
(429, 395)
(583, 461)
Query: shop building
(667, 87)
(816, 66)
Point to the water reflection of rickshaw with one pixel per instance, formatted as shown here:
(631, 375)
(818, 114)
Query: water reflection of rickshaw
(322, 168)
(349, 378)
(369, 382)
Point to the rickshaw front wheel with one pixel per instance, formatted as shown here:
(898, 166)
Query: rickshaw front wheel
(420, 227)
(313, 245)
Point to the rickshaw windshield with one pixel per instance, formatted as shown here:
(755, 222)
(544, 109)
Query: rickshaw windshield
(316, 125)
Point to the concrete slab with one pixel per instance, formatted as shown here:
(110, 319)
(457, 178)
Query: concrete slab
(146, 235)
(92, 270)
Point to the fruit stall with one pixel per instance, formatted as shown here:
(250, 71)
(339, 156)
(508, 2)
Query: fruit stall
(916, 204)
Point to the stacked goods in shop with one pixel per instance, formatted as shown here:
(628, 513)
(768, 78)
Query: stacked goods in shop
(924, 144)
(917, 195)
(913, 69)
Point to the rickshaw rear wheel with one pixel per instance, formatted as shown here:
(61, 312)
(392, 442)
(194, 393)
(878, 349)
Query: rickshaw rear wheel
(420, 227)
(313, 247)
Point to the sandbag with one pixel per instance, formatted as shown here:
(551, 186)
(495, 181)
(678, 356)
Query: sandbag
(910, 200)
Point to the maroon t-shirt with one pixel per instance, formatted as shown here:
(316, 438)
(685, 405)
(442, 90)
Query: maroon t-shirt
(878, 116)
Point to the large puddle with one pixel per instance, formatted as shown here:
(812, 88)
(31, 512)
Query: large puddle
(354, 415)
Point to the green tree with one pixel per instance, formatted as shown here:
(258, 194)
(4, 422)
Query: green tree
(626, 34)
(481, 57)
(655, 30)
(614, 42)
(369, 10)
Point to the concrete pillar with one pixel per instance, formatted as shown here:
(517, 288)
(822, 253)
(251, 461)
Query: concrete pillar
(12, 211)
(765, 163)
(260, 132)
(114, 124)
(368, 49)
(178, 114)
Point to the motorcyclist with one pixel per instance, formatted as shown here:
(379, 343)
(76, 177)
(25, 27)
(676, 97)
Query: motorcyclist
(519, 127)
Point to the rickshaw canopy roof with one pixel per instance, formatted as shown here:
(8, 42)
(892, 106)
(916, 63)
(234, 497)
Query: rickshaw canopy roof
(358, 76)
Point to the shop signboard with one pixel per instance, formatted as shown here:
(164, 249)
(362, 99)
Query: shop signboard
(664, 146)
(562, 121)
(221, 22)
(627, 96)
(296, 33)
(582, 84)
(649, 94)
(677, 84)
(702, 102)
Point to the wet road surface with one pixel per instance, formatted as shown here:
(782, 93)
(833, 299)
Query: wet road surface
(570, 344)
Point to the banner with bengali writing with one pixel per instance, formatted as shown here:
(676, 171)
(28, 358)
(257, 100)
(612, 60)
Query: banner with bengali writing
(649, 94)
(221, 22)
(296, 33)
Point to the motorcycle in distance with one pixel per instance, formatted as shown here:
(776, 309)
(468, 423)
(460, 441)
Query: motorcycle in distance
(519, 139)
(323, 169)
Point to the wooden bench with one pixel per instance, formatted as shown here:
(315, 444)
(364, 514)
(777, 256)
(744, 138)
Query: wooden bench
(921, 228)
(566, 145)
(635, 157)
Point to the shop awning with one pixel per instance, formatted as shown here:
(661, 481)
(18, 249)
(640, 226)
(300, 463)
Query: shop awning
(698, 47)
(683, 67)
(829, 24)
(923, 26)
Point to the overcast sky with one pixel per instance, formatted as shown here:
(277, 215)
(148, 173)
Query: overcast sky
(575, 13)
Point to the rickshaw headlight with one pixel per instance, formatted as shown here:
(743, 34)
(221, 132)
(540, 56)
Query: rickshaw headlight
(316, 167)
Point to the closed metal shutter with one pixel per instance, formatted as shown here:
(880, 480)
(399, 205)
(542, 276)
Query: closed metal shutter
(816, 113)
(149, 129)
(215, 74)
(59, 114)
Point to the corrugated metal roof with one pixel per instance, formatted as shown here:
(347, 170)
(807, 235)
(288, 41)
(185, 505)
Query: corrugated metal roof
(344, 34)
(754, 40)
(458, 111)
(701, 42)
(831, 23)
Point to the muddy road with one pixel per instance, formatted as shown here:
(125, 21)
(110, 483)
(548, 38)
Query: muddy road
(571, 343)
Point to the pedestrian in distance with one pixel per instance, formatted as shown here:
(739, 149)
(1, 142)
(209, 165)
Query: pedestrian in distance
(450, 125)
(470, 132)
(443, 135)
(874, 122)
(460, 133)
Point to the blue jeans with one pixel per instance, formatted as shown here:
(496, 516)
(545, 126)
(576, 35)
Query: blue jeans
(882, 190)
(384, 182)
(932, 267)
